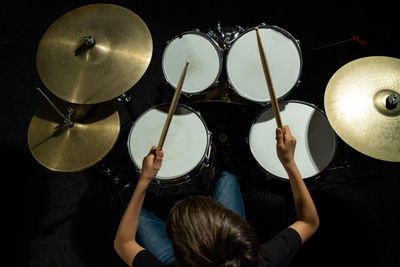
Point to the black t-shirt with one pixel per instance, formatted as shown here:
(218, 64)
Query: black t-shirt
(279, 251)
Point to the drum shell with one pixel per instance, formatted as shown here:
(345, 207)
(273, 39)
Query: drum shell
(254, 67)
(194, 169)
(309, 152)
(197, 63)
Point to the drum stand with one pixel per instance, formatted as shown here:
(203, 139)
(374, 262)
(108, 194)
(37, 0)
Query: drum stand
(126, 100)
(354, 39)
(225, 36)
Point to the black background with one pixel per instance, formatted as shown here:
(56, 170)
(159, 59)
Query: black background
(70, 219)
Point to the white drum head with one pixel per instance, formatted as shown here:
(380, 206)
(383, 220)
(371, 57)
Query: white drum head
(244, 67)
(184, 147)
(204, 62)
(316, 140)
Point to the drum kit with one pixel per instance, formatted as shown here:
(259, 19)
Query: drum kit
(86, 63)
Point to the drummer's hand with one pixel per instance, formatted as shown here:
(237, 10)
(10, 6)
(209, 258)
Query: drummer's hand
(151, 165)
(285, 145)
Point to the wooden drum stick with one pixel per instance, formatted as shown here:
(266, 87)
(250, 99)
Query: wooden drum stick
(267, 74)
(172, 108)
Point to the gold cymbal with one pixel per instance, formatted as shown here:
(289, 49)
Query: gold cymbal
(62, 148)
(355, 104)
(116, 55)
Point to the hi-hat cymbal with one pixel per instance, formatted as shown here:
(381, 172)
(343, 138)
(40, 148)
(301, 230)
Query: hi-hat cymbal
(355, 104)
(94, 53)
(62, 148)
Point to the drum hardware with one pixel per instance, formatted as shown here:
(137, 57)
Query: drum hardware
(184, 180)
(72, 142)
(88, 43)
(392, 100)
(126, 100)
(121, 185)
(355, 38)
(225, 36)
(361, 105)
(105, 65)
(66, 117)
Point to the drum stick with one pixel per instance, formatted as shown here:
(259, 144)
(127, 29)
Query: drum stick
(267, 74)
(172, 108)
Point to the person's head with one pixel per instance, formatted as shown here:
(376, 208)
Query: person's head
(205, 233)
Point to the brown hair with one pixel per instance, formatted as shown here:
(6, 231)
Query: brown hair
(205, 233)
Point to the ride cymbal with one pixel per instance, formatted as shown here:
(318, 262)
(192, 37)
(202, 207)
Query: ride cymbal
(94, 53)
(60, 147)
(361, 105)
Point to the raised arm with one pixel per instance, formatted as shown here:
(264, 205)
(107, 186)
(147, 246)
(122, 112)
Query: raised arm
(307, 217)
(124, 242)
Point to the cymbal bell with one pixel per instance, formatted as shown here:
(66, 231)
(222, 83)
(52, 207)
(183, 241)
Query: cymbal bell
(356, 104)
(94, 53)
(63, 148)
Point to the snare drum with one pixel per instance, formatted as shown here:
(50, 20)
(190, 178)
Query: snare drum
(244, 68)
(205, 61)
(186, 147)
(316, 140)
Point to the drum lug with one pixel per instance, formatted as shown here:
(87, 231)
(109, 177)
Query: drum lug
(262, 24)
(185, 93)
(297, 41)
(297, 83)
(313, 105)
(158, 182)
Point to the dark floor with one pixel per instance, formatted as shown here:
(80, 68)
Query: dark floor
(69, 219)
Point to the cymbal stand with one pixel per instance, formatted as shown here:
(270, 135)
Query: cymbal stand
(66, 117)
(355, 38)
(126, 100)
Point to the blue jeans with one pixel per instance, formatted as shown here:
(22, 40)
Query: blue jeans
(151, 233)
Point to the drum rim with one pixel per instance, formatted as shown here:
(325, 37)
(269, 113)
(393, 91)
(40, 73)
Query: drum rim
(283, 32)
(195, 168)
(218, 49)
(269, 106)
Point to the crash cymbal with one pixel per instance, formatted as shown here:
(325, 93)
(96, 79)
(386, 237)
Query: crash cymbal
(64, 148)
(360, 103)
(94, 53)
